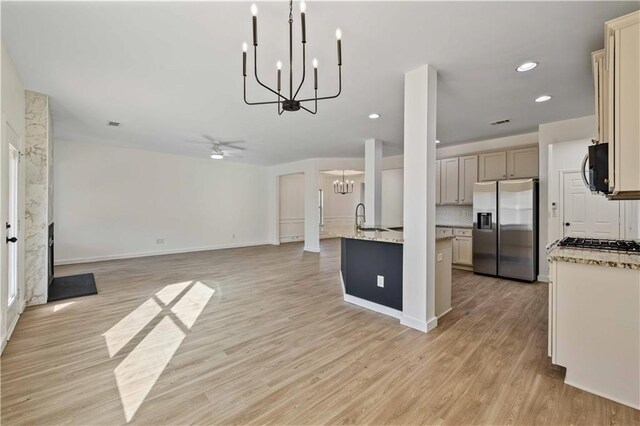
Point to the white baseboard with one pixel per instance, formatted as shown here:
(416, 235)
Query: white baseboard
(445, 313)
(544, 278)
(420, 325)
(155, 253)
(602, 394)
(373, 306)
(312, 249)
(12, 326)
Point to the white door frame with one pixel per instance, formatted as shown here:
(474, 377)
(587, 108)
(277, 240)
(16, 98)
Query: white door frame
(11, 311)
(561, 222)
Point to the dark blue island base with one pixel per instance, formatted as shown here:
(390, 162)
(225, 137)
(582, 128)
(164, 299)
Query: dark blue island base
(363, 261)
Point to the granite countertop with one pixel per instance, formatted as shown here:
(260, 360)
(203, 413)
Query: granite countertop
(387, 236)
(468, 226)
(606, 258)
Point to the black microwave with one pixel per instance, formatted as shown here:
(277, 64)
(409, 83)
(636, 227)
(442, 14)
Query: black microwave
(599, 168)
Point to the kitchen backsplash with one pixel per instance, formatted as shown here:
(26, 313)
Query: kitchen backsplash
(454, 215)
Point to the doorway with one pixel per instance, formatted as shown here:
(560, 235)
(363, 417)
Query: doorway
(291, 208)
(586, 214)
(13, 240)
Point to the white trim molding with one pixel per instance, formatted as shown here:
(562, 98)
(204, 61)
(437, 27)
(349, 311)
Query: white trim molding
(373, 306)
(424, 326)
(155, 253)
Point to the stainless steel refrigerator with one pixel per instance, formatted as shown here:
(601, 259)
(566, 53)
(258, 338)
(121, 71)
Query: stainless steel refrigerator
(505, 229)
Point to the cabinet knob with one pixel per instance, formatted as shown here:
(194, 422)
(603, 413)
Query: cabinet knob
(504, 176)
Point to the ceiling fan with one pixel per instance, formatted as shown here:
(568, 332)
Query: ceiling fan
(220, 149)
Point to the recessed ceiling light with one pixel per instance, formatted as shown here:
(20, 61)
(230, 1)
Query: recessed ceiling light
(113, 123)
(217, 156)
(374, 116)
(543, 98)
(527, 66)
(437, 141)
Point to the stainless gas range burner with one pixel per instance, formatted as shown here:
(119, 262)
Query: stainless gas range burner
(598, 244)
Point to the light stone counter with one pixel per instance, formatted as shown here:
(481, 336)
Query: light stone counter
(467, 226)
(606, 258)
(387, 236)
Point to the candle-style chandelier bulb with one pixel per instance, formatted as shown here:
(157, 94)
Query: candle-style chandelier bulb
(292, 102)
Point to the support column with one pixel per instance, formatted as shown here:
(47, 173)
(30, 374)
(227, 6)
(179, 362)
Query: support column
(418, 268)
(311, 208)
(373, 181)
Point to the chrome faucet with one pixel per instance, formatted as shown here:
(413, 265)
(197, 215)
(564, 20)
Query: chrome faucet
(361, 216)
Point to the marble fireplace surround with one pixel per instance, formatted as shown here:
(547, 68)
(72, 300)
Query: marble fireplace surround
(38, 170)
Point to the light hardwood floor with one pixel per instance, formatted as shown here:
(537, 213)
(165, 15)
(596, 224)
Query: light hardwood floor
(275, 343)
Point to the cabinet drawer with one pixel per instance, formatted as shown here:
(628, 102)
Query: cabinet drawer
(443, 232)
(462, 232)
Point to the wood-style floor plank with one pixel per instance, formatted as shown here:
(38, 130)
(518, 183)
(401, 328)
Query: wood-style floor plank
(276, 344)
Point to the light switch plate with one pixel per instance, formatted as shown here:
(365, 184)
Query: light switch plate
(380, 281)
(440, 257)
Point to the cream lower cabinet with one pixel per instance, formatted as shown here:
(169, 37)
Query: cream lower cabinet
(594, 328)
(462, 247)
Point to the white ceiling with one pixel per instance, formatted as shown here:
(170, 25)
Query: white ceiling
(171, 72)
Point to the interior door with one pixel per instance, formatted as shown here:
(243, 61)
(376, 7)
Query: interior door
(586, 214)
(12, 238)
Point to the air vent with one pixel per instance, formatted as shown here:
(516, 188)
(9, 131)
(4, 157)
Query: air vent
(499, 122)
(113, 123)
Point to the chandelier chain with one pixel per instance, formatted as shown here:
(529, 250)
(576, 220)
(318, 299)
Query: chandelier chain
(291, 11)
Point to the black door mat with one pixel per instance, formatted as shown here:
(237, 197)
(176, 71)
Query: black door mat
(72, 286)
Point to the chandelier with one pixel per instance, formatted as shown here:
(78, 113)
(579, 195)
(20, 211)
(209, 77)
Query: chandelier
(342, 187)
(291, 102)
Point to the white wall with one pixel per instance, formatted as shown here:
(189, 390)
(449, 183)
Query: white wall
(553, 133)
(392, 197)
(12, 112)
(567, 156)
(113, 202)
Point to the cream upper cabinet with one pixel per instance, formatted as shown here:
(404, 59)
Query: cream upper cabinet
(493, 166)
(467, 176)
(622, 62)
(449, 181)
(600, 83)
(522, 163)
(438, 171)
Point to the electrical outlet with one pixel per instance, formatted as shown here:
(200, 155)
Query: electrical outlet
(380, 281)
(159, 240)
(440, 257)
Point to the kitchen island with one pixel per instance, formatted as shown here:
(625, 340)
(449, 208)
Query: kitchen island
(371, 269)
(594, 320)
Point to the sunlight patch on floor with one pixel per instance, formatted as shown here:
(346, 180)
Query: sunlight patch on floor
(60, 306)
(120, 334)
(170, 292)
(140, 370)
(189, 308)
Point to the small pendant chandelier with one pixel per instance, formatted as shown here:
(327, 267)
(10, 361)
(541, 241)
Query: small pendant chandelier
(291, 102)
(342, 187)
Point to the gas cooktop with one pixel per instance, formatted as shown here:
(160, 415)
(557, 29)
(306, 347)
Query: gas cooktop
(599, 244)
